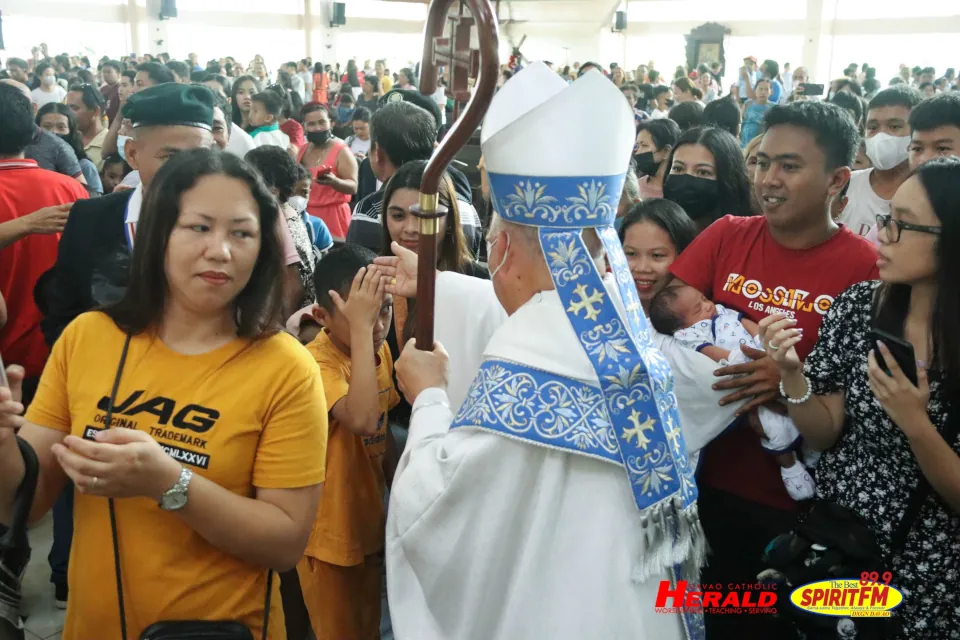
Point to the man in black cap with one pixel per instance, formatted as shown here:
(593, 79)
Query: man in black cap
(404, 129)
(94, 256)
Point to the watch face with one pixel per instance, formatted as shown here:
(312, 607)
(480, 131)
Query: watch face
(175, 501)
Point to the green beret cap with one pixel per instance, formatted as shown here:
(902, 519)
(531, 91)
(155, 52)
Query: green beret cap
(171, 104)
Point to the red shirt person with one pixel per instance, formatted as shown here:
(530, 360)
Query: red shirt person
(30, 222)
(793, 260)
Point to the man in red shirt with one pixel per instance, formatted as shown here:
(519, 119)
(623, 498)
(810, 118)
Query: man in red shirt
(34, 204)
(793, 260)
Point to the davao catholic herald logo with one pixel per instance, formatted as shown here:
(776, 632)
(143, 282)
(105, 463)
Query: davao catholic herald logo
(848, 598)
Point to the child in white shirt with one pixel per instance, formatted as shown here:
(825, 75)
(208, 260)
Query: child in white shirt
(265, 120)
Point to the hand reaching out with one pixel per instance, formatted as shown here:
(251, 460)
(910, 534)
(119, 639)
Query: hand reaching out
(400, 271)
(49, 219)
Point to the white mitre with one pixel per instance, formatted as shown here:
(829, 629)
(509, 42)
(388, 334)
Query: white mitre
(533, 130)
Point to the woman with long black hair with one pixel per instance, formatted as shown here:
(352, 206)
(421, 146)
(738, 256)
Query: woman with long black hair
(882, 434)
(186, 407)
(707, 176)
(244, 88)
(59, 120)
(400, 226)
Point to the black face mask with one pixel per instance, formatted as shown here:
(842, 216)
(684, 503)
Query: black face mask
(645, 163)
(671, 102)
(319, 137)
(697, 196)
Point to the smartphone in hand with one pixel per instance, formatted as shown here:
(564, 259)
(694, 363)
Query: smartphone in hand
(812, 90)
(3, 375)
(901, 350)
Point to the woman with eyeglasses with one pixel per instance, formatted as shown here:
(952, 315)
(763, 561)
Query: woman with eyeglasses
(881, 433)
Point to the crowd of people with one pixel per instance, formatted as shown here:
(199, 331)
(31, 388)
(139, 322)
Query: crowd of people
(208, 280)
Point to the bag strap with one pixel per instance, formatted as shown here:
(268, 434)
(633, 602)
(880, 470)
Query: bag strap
(15, 537)
(113, 520)
(920, 493)
(110, 503)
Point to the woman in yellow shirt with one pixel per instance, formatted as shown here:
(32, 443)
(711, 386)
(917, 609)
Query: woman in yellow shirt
(216, 455)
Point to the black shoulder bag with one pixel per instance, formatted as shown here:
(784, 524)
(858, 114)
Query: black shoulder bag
(15, 547)
(175, 629)
(833, 542)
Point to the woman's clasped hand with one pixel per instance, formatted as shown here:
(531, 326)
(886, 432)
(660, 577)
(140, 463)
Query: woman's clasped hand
(120, 463)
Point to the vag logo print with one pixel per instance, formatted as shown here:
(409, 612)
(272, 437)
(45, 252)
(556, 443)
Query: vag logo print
(194, 417)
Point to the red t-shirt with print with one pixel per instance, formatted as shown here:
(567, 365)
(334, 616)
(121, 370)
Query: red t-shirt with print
(737, 263)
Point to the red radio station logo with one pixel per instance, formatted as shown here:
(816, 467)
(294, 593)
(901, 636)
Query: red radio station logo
(734, 599)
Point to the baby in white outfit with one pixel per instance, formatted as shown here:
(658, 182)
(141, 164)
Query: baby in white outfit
(718, 332)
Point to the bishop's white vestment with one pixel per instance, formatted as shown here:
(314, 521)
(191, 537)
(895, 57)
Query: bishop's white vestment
(490, 538)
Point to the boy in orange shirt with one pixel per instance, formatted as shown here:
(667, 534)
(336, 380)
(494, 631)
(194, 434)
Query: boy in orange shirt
(341, 571)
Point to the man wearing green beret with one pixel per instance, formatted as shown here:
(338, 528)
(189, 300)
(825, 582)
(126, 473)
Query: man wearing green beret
(94, 256)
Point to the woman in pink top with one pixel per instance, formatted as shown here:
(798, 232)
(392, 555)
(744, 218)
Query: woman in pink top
(655, 140)
(333, 167)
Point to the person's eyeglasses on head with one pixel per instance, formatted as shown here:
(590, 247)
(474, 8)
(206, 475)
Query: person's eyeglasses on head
(895, 227)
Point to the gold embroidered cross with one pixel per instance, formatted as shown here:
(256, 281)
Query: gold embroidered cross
(673, 433)
(586, 302)
(638, 429)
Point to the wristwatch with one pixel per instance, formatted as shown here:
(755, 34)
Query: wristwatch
(176, 498)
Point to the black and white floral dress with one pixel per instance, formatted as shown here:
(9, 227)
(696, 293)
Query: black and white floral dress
(301, 240)
(872, 470)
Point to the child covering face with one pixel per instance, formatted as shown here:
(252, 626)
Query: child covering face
(718, 332)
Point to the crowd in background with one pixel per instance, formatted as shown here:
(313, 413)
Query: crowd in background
(832, 204)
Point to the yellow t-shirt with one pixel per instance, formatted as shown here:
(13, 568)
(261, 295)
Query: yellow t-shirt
(350, 520)
(248, 414)
(386, 84)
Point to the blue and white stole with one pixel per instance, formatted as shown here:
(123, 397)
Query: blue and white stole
(631, 419)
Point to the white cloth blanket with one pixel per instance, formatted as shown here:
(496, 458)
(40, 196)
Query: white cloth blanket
(491, 538)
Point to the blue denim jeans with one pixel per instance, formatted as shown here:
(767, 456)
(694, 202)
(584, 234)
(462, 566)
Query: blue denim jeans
(59, 557)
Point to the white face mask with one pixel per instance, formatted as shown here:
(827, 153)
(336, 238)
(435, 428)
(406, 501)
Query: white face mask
(48, 81)
(886, 151)
(297, 203)
(490, 246)
(122, 146)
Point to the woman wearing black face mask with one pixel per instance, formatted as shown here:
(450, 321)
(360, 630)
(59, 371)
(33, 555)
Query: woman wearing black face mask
(708, 176)
(333, 167)
(60, 121)
(655, 140)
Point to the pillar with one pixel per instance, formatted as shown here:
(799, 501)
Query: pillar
(133, 23)
(813, 39)
(158, 37)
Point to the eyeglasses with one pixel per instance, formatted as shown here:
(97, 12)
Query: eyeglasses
(895, 227)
